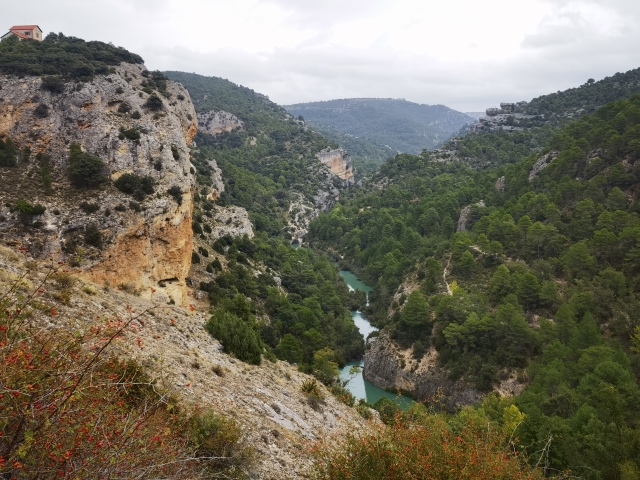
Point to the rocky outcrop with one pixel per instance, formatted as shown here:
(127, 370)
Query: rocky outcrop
(232, 221)
(144, 242)
(388, 367)
(339, 162)
(465, 215)
(501, 184)
(218, 121)
(542, 163)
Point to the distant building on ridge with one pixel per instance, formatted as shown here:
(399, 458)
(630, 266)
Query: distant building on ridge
(32, 32)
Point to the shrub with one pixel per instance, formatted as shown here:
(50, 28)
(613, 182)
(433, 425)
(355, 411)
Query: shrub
(8, 154)
(311, 387)
(425, 448)
(85, 170)
(24, 207)
(136, 115)
(135, 206)
(175, 152)
(130, 133)
(124, 107)
(93, 236)
(89, 207)
(154, 103)
(218, 439)
(195, 258)
(135, 185)
(119, 90)
(176, 194)
(53, 84)
(41, 111)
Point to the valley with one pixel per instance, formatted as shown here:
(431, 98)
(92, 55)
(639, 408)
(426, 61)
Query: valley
(233, 263)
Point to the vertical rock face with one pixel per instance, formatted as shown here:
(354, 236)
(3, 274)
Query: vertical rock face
(383, 366)
(145, 243)
(339, 162)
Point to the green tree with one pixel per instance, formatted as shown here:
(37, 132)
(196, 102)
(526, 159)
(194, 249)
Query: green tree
(289, 349)
(528, 290)
(500, 284)
(324, 366)
(577, 261)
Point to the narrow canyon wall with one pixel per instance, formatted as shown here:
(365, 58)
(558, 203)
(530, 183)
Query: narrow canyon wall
(383, 366)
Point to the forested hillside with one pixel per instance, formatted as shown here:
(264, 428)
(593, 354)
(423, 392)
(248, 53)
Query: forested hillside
(266, 294)
(541, 275)
(544, 115)
(397, 124)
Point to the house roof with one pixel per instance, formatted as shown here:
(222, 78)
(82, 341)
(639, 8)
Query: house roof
(17, 34)
(24, 27)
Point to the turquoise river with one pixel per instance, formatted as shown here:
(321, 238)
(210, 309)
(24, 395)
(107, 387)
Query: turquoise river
(357, 385)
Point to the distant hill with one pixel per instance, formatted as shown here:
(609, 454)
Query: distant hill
(396, 124)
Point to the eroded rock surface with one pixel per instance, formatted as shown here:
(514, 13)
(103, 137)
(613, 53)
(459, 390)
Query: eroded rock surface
(389, 367)
(218, 121)
(339, 162)
(143, 241)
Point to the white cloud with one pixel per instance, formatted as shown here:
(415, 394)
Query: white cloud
(462, 53)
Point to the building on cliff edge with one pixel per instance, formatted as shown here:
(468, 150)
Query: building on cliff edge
(33, 32)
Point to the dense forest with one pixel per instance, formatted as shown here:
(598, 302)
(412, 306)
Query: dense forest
(545, 114)
(396, 124)
(543, 273)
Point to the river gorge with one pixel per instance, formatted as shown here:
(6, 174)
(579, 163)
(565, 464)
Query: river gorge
(357, 384)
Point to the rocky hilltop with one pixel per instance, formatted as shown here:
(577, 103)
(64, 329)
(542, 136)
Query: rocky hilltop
(144, 242)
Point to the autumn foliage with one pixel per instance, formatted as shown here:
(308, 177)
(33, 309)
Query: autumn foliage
(426, 449)
(69, 408)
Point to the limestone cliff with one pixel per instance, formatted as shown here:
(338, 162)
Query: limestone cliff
(143, 243)
(339, 162)
(218, 121)
(388, 367)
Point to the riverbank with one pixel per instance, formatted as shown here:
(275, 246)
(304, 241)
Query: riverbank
(357, 384)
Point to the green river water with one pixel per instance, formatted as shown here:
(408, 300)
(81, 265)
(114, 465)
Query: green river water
(358, 386)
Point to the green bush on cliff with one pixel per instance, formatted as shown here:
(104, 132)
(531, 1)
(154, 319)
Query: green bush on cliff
(136, 185)
(85, 170)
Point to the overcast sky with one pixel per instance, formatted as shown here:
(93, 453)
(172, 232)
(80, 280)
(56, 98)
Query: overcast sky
(466, 54)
